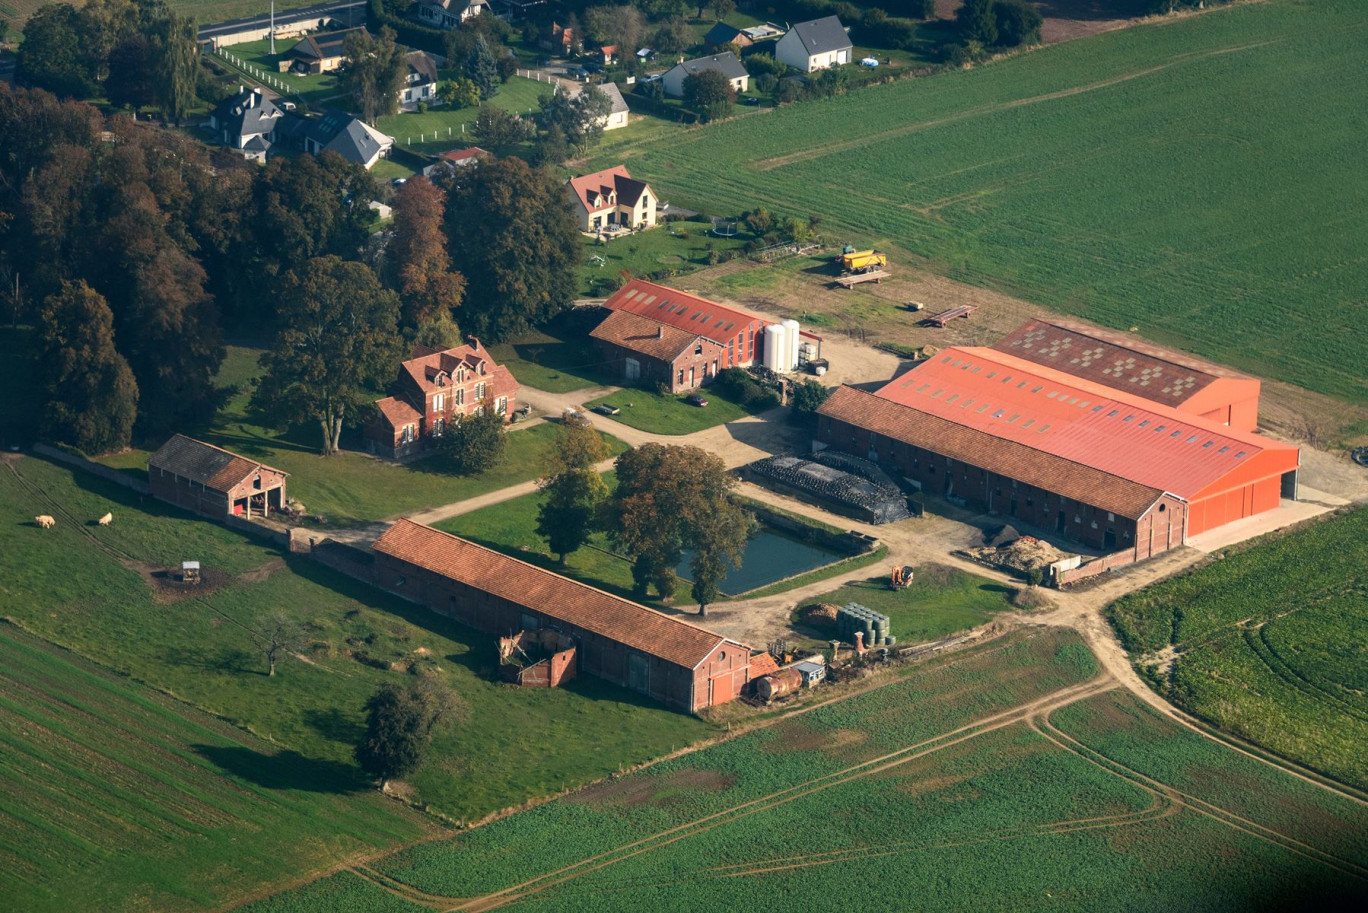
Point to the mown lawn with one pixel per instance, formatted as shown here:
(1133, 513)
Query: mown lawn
(558, 358)
(1106, 178)
(320, 91)
(351, 487)
(940, 601)
(439, 129)
(669, 249)
(63, 586)
(665, 413)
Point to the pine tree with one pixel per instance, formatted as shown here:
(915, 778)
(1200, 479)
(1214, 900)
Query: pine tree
(482, 69)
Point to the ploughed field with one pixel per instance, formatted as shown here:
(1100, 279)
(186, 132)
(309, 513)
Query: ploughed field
(1006, 777)
(1199, 178)
(1269, 643)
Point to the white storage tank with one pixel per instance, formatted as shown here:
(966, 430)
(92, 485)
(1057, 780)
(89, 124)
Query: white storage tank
(791, 337)
(775, 347)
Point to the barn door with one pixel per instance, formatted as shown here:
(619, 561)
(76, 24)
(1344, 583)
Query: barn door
(638, 673)
(631, 370)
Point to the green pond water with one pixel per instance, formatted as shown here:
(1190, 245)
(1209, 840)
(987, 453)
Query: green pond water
(768, 557)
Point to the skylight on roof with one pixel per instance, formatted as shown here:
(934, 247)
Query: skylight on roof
(938, 393)
(922, 388)
(982, 409)
(952, 397)
(999, 413)
(992, 374)
(1051, 395)
(1042, 429)
(1192, 440)
(1026, 424)
(1224, 450)
(1084, 405)
(1207, 444)
(1038, 389)
(1145, 423)
(1176, 434)
(1112, 414)
(1128, 418)
(945, 360)
(1240, 454)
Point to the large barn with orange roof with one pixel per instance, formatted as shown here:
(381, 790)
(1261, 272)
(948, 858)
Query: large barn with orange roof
(1126, 447)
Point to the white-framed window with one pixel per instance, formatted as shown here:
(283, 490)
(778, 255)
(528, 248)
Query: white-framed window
(439, 402)
(459, 397)
(501, 406)
(480, 392)
(438, 427)
(406, 435)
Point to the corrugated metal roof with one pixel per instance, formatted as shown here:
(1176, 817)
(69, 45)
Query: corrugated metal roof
(1114, 359)
(1088, 423)
(570, 601)
(690, 313)
(980, 448)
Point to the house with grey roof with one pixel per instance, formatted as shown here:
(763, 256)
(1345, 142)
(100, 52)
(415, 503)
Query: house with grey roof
(448, 14)
(246, 122)
(726, 64)
(815, 45)
(350, 137)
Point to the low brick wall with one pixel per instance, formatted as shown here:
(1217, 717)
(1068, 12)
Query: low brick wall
(1093, 568)
(850, 542)
(97, 469)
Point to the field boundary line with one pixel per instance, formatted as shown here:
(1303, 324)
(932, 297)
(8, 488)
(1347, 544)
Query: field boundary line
(1200, 806)
(1058, 698)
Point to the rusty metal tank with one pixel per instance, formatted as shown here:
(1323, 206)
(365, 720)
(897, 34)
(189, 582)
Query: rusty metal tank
(778, 684)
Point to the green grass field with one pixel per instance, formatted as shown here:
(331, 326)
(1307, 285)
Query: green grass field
(557, 358)
(66, 586)
(666, 413)
(940, 601)
(320, 91)
(351, 487)
(680, 247)
(1198, 178)
(440, 129)
(901, 798)
(120, 798)
(1270, 643)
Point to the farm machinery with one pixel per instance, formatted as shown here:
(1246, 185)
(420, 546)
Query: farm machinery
(854, 262)
(901, 578)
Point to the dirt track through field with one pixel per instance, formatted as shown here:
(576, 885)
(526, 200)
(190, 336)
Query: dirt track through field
(885, 762)
(896, 132)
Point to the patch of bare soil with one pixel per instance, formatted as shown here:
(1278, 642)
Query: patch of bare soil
(1066, 20)
(632, 792)
(258, 574)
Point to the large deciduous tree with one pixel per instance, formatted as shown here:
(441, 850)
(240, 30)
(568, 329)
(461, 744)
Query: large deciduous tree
(498, 130)
(375, 73)
(417, 264)
(1017, 23)
(175, 59)
(336, 344)
(514, 238)
(670, 499)
(475, 443)
(580, 118)
(709, 93)
(573, 489)
(52, 55)
(92, 396)
(977, 22)
(399, 726)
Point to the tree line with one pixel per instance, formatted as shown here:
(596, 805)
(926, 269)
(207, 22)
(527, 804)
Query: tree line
(161, 246)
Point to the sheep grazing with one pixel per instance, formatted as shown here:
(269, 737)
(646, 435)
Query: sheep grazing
(45, 521)
(106, 519)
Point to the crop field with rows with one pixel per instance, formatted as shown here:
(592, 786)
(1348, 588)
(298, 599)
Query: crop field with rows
(1270, 643)
(948, 788)
(1199, 178)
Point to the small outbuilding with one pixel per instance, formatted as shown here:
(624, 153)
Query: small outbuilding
(212, 481)
(812, 672)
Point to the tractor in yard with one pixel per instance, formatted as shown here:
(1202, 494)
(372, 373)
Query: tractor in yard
(853, 262)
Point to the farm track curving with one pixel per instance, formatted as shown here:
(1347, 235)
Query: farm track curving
(991, 723)
(1257, 640)
(1041, 724)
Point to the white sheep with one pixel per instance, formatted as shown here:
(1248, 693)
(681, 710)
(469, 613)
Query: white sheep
(106, 519)
(45, 521)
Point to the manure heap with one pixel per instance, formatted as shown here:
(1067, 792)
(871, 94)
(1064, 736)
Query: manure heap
(846, 484)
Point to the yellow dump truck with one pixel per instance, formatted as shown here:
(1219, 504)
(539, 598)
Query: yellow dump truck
(861, 261)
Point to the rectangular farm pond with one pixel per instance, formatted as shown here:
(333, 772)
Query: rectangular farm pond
(770, 556)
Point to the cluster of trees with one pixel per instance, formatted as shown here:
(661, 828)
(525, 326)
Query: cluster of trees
(132, 252)
(376, 72)
(669, 500)
(138, 53)
(998, 23)
(565, 125)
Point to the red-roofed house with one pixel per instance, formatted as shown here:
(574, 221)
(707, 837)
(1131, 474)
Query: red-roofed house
(435, 388)
(643, 351)
(663, 657)
(1104, 465)
(612, 197)
(455, 158)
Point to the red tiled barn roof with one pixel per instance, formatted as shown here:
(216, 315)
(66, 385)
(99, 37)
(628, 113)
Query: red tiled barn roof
(655, 340)
(762, 664)
(689, 313)
(213, 467)
(574, 603)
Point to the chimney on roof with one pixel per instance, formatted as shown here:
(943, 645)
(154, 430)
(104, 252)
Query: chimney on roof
(475, 343)
(660, 332)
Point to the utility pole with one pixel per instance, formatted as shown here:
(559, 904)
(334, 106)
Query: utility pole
(272, 27)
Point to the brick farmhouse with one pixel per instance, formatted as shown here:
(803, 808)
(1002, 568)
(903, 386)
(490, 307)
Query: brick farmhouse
(665, 658)
(212, 481)
(434, 389)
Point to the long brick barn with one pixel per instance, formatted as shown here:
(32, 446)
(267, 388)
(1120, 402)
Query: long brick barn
(1126, 448)
(665, 658)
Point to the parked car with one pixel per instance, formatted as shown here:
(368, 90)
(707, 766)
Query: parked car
(869, 62)
(606, 409)
(693, 399)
